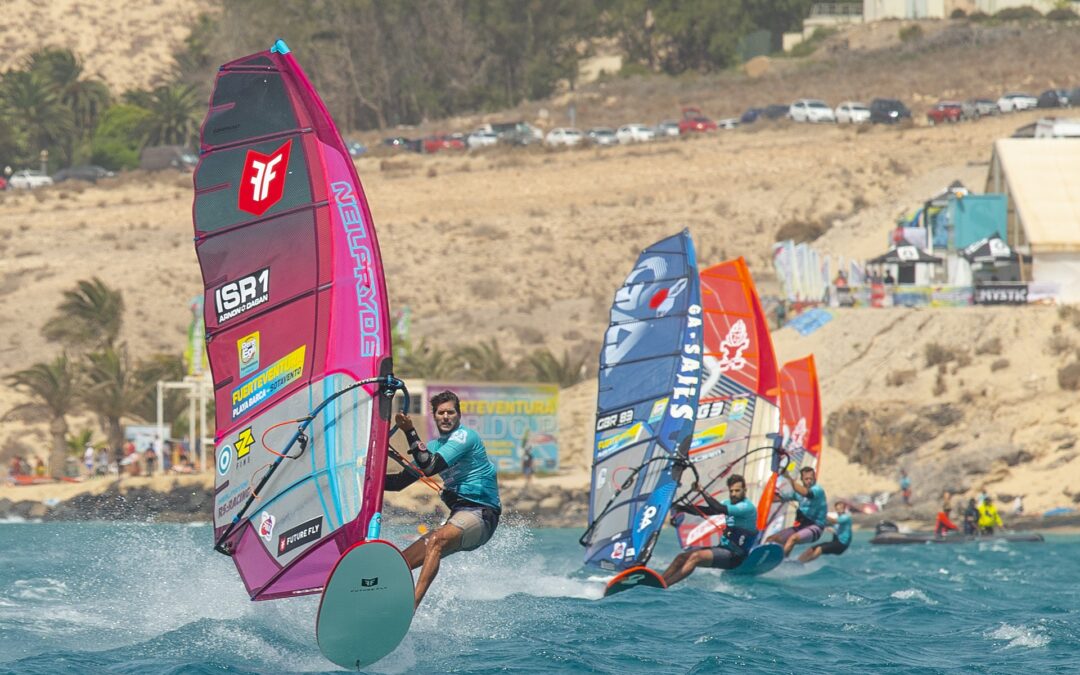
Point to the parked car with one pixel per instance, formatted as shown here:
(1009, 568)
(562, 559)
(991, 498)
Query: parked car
(481, 139)
(602, 136)
(945, 111)
(564, 136)
(983, 106)
(161, 157)
(88, 173)
(636, 133)
(751, 115)
(440, 142)
(1017, 101)
(402, 143)
(28, 179)
(776, 111)
(1054, 98)
(514, 133)
(667, 128)
(728, 123)
(694, 121)
(811, 110)
(3, 183)
(355, 148)
(852, 112)
(888, 111)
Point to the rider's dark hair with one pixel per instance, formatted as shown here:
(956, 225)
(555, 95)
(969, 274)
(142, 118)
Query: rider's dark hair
(735, 478)
(444, 396)
(805, 469)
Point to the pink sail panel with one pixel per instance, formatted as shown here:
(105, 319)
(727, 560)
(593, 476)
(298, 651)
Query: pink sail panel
(296, 312)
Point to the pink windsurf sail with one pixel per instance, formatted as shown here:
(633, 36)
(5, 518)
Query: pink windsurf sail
(297, 329)
(737, 407)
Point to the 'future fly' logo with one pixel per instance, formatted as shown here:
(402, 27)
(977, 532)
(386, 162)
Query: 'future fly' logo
(263, 180)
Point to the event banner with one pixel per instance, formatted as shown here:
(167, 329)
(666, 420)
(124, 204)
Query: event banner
(1001, 294)
(511, 419)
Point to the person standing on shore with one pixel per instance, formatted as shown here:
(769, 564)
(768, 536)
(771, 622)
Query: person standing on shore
(905, 487)
(971, 517)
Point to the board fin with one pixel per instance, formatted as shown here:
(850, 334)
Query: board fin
(633, 577)
(367, 605)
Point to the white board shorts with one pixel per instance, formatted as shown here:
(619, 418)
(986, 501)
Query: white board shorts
(477, 524)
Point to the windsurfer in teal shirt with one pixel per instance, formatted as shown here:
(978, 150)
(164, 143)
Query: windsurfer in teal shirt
(738, 538)
(810, 517)
(470, 488)
(841, 526)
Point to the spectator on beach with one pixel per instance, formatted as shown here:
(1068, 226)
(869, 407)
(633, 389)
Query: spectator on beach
(1018, 505)
(841, 280)
(888, 280)
(150, 457)
(16, 466)
(101, 465)
(118, 456)
(905, 487)
(971, 517)
(39, 467)
(88, 459)
(527, 461)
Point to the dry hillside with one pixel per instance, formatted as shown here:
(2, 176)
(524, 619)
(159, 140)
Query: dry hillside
(527, 247)
(127, 43)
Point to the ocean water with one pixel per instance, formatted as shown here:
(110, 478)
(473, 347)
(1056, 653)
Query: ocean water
(132, 598)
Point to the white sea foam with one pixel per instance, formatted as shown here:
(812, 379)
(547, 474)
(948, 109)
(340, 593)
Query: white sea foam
(43, 588)
(913, 594)
(1018, 636)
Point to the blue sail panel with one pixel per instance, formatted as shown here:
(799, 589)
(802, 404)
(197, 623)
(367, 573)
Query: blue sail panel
(650, 372)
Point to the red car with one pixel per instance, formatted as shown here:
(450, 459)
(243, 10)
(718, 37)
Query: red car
(443, 142)
(693, 121)
(945, 111)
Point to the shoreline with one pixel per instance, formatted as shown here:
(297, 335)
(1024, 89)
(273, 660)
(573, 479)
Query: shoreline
(556, 501)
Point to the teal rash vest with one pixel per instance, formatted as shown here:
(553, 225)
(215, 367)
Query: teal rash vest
(468, 473)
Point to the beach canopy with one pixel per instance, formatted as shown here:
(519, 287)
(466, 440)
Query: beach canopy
(905, 254)
(991, 249)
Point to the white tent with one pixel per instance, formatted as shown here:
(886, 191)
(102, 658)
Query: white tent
(1042, 179)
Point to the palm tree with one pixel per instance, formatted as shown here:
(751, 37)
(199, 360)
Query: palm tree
(112, 391)
(565, 372)
(32, 103)
(175, 113)
(86, 98)
(52, 387)
(485, 362)
(168, 367)
(425, 361)
(90, 315)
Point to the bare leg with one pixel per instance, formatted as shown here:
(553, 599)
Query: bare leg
(790, 544)
(809, 554)
(446, 538)
(684, 564)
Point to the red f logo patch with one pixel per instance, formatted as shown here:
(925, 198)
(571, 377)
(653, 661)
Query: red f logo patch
(263, 180)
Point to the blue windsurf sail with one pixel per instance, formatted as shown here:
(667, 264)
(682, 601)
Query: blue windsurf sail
(650, 370)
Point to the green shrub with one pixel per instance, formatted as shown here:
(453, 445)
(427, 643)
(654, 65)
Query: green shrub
(1062, 14)
(1018, 14)
(958, 14)
(911, 33)
(119, 137)
(978, 17)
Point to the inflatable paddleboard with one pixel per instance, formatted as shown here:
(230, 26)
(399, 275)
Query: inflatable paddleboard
(760, 560)
(632, 578)
(367, 605)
